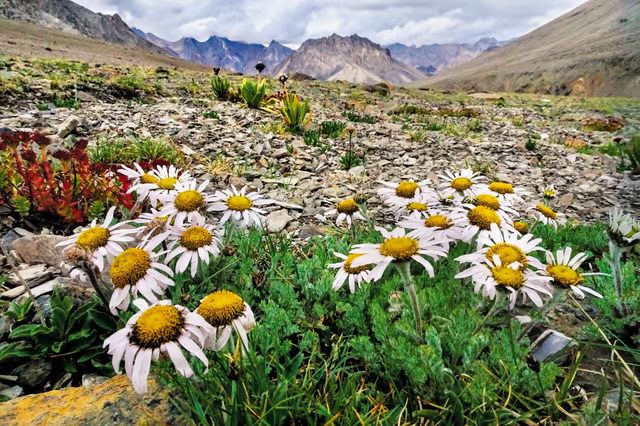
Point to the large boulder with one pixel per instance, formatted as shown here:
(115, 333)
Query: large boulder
(107, 403)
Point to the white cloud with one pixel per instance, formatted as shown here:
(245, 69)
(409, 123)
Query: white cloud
(293, 21)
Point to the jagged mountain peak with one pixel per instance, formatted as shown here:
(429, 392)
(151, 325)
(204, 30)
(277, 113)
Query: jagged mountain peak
(352, 58)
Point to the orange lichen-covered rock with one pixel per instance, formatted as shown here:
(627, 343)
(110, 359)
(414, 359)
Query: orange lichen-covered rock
(111, 402)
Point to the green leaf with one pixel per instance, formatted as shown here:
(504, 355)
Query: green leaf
(30, 331)
(16, 350)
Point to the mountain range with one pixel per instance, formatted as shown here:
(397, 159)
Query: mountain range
(593, 50)
(434, 58)
(353, 58)
(221, 52)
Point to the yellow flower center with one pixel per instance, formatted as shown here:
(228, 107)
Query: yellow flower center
(407, 189)
(157, 325)
(239, 203)
(546, 211)
(505, 276)
(195, 237)
(167, 183)
(129, 267)
(483, 217)
(549, 193)
(438, 221)
(564, 275)
(93, 238)
(508, 253)
(347, 206)
(521, 227)
(351, 270)
(148, 178)
(221, 308)
(461, 183)
(414, 206)
(189, 201)
(400, 248)
(488, 200)
(501, 187)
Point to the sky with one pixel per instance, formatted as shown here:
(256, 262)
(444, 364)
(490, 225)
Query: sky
(293, 21)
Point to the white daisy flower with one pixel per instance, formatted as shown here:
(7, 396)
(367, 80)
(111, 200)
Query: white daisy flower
(451, 223)
(192, 244)
(549, 192)
(187, 203)
(159, 329)
(226, 312)
(101, 242)
(417, 206)
(399, 247)
(503, 208)
(140, 180)
(464, 183)
(240, 207)
(564, 271)
(506, 192)
(491, 275)
(547, 215)
(152, 223)
(395, 192)
(623, 228)
(480, 219)
(355, 276)
(137, 271)
(346, 211)
(509, 246)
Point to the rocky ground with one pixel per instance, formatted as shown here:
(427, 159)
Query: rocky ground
(485, 132)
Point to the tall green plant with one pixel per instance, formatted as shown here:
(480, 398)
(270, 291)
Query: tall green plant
(632, 152)
(253, 92)
(296, 114)
(220, 87)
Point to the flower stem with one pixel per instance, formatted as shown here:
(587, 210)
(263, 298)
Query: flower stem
(94, 283)
(615, 252)
(409, 285)
(558, 296)
(490, 314)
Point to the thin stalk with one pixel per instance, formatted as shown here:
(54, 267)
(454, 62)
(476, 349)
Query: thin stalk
(94, 283)
(490, 314)
(615, 252)
(558, 296)
(405, 272)
(14, 269)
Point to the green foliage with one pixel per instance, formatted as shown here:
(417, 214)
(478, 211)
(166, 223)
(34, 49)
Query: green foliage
(332, 129)
(350, 159)
(253, 92)
(131, 85)
(66, 102)
(411, 110)
(42, 106)
(296, 114)
(632, 152)
(129, 150)
(320, 356)
(418, 136)
(211, 114)
(22, 205)
(311, 138)
(220, 87)
(359, 118)
(71, 339)
(433, 126)
(475, 126)
(501, 103)
(531, 144)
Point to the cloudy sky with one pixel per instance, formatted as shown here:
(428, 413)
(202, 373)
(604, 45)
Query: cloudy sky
(293, 21)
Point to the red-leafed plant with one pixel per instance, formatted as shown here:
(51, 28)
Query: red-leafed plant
(62, 183)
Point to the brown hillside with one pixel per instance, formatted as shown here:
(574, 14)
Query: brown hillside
(29, 40)
(593, 50)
